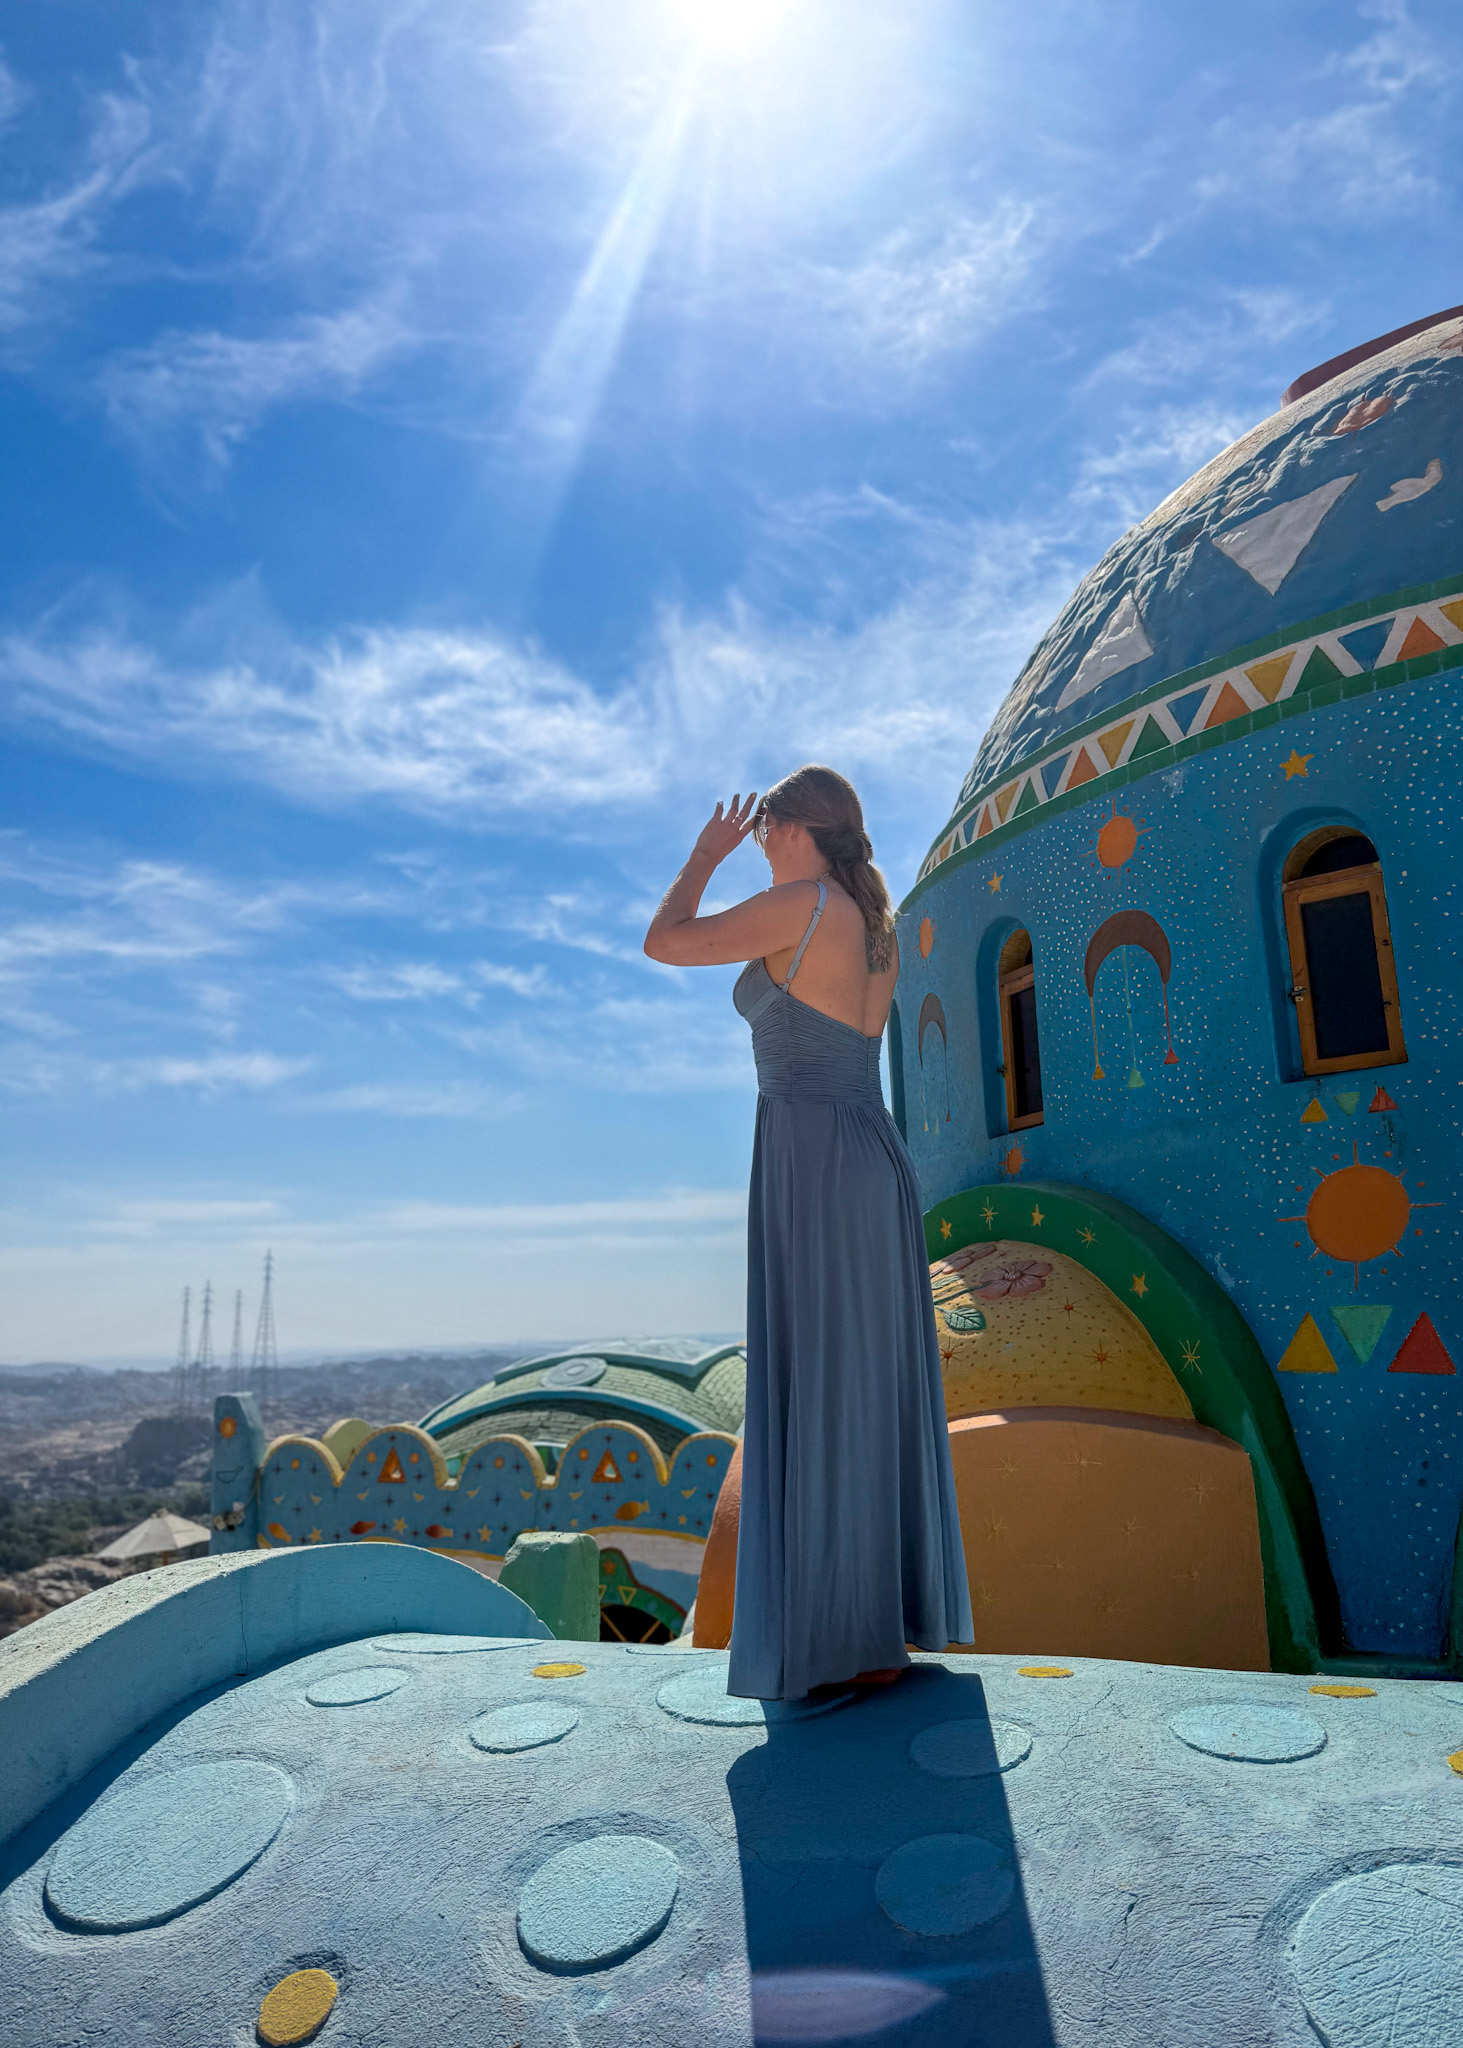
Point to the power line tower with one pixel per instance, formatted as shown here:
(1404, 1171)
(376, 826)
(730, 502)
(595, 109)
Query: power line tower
(264, 1364)
(202, 1375)
(236, 1349)
(180, 1370)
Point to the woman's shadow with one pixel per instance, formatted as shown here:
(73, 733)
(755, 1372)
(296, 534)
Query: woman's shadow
(883, 1898)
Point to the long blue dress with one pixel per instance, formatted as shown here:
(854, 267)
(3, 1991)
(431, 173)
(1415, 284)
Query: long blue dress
(849, 1545)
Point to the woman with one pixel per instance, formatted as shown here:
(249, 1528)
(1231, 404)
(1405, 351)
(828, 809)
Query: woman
(849, 1541)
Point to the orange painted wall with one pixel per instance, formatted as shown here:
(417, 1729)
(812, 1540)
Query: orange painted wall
(1096, 1534)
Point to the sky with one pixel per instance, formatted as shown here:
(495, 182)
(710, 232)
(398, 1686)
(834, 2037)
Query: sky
(446, 447)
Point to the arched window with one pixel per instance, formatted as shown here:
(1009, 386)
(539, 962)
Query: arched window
(1020, 1052)
(1343, 979)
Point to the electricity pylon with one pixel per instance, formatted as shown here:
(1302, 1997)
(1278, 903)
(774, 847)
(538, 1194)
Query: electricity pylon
(264, 1365)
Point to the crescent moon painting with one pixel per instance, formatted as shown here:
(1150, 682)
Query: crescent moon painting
(1128, 928)
(932, 1018)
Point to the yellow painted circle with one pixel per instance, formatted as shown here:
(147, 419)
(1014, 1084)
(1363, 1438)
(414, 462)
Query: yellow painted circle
(558, 1670)
(297, 2008)
(1346, 1692)
(1455, 1762)
(1042, 1671)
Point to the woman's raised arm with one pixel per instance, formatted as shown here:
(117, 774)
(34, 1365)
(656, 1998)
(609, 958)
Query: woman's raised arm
(777, 917)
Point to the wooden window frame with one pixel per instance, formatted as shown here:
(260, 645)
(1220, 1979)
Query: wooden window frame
(1007, 986)
(1317, 888)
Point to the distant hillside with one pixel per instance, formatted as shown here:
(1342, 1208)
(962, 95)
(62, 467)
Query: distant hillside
(69, 1431)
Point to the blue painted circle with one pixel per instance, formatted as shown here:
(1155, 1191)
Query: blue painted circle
(970, 1749)
(945, 1884)
(597, 1902)
(424, 1645)
(526, 1726)
(1250, 1732)
(575, 1372)
(1377, 1960)
(354, 1688)
(701, 1695)
(157, 1848)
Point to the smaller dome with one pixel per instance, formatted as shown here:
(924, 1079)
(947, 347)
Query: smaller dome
(1023, 1326)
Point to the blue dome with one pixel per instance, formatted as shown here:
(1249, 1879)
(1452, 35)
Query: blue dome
(1328, 503)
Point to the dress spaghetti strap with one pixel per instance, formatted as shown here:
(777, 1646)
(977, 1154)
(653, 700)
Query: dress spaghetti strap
(797, 958)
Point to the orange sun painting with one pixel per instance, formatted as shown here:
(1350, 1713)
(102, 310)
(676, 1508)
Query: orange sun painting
(1117, 839)
(1358, 1213)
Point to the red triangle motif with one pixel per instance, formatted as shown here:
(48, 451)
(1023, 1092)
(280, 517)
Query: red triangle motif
(1421, 639)
(1083, 771)
(605, 1470)
(1422, 1350)
(1228, 704)
(1380, 1102)
(391, 1472)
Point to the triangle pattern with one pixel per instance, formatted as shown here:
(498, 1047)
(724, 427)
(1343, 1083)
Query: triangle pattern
(1268, 677)
(1269, 547)
(1361, 1326)
(1112, 742)
(1319, 669)
(1307, 1351)
(985, 824)
(1121, 642)
(605, 1471)
(1029, 798)
(1421, 639)
(1380, 1103)
(1003, 801)
(391, 1473)
(1367, 642)
(1150, 740)
(1228, 704)
(1453, 613)
(1313, 1112)
(1422, 1350)
(1083, 770)
(1182, 709)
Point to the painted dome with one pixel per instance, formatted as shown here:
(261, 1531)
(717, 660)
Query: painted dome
(1297, 519)
(1022, 1325)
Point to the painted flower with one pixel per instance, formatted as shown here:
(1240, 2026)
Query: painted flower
(1022, 1276)
(956, 1262)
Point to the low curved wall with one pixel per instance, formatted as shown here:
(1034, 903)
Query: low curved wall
(79, 1681)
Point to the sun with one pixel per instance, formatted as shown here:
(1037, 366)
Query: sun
(1117, 838)
(731, 28)
(1358, 1213)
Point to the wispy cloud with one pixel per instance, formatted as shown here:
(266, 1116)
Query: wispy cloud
(469, 723)
(922, 293)
(219, 386)
(415, 981)
(47, 245)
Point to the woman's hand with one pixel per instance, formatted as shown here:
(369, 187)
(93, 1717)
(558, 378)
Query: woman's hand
(724, 831)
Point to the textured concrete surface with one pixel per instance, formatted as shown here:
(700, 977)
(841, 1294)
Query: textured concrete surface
(76, 1683)
(970, 1856)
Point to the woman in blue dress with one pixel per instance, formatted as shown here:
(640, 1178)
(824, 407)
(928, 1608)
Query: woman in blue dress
(849, 1545)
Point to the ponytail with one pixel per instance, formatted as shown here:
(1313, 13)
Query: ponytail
(828, 806)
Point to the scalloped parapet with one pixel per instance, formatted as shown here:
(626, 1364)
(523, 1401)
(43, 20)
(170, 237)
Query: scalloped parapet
(611, 1483)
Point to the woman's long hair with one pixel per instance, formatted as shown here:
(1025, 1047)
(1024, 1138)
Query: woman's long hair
(828, 806)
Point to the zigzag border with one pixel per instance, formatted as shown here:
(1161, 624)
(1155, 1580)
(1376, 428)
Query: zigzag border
(1232, 696)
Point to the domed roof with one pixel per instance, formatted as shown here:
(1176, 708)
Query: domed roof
(1331, 501)
(670, 1388)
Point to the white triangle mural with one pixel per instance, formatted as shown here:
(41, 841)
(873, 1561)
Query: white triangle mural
(1270, 546)
(1121, 642)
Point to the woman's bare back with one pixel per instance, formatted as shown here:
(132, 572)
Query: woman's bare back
(834, 972)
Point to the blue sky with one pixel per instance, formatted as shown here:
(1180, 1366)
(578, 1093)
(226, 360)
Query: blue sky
(447, 446)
